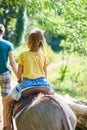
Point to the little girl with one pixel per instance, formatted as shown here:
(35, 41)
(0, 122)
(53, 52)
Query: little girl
(32, 69)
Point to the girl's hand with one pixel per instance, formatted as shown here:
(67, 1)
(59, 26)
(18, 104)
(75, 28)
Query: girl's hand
(19, 80)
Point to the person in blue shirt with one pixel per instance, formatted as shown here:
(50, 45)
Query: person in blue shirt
(6, 60)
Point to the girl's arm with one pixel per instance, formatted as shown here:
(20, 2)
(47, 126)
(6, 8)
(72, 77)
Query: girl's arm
(45, 71)
(20, 70)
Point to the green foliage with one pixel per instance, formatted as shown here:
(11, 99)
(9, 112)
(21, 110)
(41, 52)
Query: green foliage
(50, 54)
(63, 18)
(11, 15)
(7, 17)
(58, 18)
(13, 3)
(74, 29)
(74, 80)
(19, 50)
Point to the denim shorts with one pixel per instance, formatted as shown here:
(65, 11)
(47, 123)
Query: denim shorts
(29, 83)
(5, 80)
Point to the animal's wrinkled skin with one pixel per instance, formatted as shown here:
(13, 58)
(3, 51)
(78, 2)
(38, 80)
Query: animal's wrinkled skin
(47, 113)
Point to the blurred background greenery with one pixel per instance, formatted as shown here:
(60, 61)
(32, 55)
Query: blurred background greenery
(64, 23)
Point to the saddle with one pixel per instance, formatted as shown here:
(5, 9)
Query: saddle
(27, 97)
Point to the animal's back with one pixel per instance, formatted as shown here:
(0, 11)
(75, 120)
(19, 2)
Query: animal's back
(47, 113)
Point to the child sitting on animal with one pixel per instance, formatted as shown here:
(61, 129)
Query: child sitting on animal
(32, 70)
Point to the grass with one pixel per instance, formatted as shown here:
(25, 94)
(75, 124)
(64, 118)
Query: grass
(73, 80)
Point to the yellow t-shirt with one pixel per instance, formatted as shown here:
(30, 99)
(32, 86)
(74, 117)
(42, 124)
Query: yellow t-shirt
(33, 64)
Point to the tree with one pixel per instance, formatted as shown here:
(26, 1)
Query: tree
(8, 14)
(19, 26)
(74, 28)
(66, 18)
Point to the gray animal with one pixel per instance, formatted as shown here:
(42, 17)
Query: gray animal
(47, 112)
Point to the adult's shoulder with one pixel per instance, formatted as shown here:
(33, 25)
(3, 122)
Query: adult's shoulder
(7, 44)
(6, 41)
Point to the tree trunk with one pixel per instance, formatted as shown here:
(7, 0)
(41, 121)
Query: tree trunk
(80, 109)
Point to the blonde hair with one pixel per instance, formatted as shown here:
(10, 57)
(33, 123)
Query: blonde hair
(2, 29)
(36, 40)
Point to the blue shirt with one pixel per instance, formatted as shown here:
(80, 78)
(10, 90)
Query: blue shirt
(5, 47)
